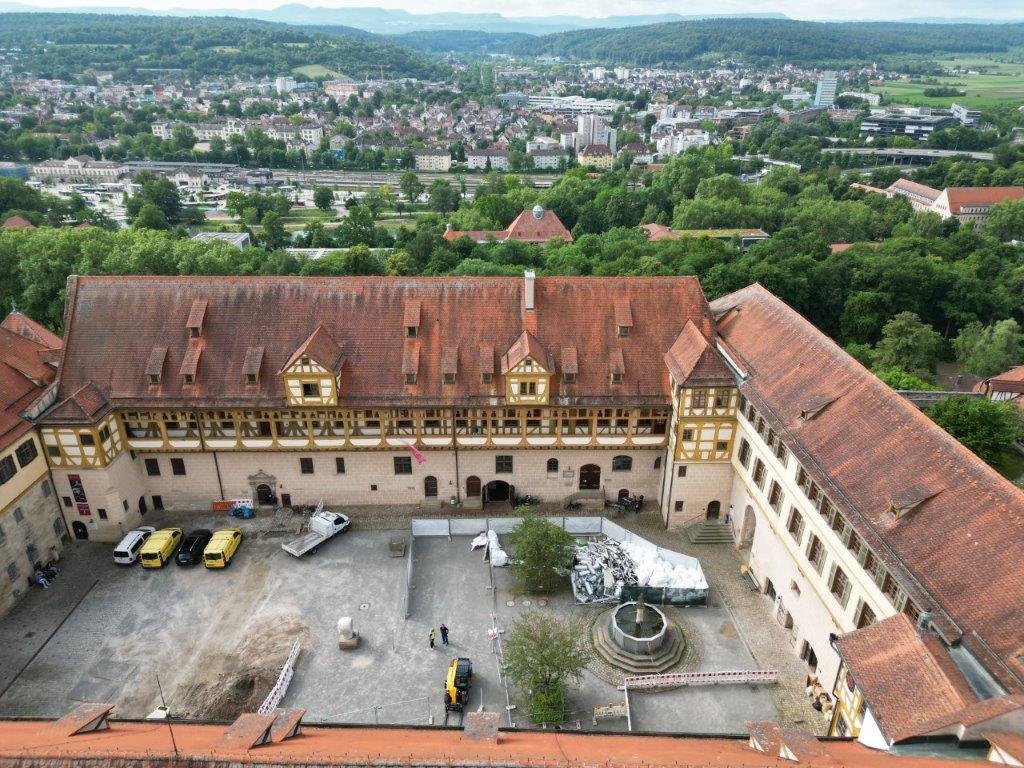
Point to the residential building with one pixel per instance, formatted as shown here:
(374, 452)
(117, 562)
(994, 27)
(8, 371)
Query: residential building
(541, 142)
(533, 226)
(678, 142)
(31, 527)
(284, 85)
(597, 156)
(872, 99)
(487, 159)
(825, 93)
(593, 129)
(1006, 387)
(972, 203)
(549, 159)
(432, 159)
(341, 89)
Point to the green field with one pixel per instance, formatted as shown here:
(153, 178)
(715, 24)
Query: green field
(1000, 80)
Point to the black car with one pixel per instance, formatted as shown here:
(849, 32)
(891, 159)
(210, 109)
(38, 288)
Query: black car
(191, 550)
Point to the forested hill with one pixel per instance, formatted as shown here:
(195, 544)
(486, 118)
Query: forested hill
(63, 45)
(754, 41)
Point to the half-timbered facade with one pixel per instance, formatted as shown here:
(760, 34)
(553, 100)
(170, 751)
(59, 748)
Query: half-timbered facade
(853, 507)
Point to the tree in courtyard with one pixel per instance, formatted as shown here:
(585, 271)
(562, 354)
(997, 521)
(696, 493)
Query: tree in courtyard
(909, 345)
(541, 548)
(410, 185)
(442, 197)
(323, 198)
(544, 653)
(986, 427)
(988, 350)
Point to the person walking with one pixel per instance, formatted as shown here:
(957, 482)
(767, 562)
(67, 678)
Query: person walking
(444, 634)
(432, 636)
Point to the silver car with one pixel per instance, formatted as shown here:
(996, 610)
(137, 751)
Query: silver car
(127, 550)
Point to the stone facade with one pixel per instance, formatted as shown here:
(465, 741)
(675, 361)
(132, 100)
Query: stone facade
(31, 531)
(125, 486)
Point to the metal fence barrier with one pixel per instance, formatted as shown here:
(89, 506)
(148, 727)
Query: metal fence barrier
(281, 686)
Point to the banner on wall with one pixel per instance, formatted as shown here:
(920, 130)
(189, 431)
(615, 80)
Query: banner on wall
(77, 489)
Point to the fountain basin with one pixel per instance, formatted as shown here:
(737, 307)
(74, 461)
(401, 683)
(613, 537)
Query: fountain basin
(644, 639)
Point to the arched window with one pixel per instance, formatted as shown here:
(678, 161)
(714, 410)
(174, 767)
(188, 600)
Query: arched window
(430, 486)
(622, 463)
(552, 465)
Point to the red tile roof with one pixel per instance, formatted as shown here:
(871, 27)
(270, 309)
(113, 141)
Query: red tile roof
(659, 232)
(899, 678)
(528, 227)
(958, 552)
(364, 316)
(33, 742)
(971, 196)
(17, 222)
(25, 372)
(1010, 743)
(692, 360)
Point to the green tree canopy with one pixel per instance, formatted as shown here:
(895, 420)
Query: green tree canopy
(988, 350)
(540, 548)
(908, 345)
(986, 427)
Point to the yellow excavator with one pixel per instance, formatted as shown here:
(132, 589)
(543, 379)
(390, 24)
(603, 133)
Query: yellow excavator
(456, 684)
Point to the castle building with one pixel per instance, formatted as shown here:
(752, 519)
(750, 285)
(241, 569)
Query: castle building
(31, 527)
(855, 511)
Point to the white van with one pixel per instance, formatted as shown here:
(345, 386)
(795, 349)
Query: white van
(127, 550)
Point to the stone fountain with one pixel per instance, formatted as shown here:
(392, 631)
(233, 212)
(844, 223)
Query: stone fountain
(638, 638)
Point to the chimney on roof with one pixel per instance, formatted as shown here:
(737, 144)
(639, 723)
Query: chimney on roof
(529, 277)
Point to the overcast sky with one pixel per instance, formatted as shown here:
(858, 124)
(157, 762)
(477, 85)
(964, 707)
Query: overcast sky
(799, 9)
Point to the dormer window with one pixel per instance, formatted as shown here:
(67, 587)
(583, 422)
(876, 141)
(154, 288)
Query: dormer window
(486, 377)
(310, 389)
(304, 361)
(569, 378)
(195, 318)
(449, 378)
(251, 365)
(155, 365)
(623, 331)
(616, 378)
(623, 317)
(189, 378)
(449, 364)
(410, 378)
(154, 378)
(411, 318)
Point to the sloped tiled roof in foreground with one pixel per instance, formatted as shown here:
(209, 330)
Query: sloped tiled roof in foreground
(961, 546)
(364, 319)
(39, 744)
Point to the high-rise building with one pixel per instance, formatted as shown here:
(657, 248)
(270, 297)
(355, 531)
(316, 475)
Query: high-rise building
(825, 95)
(593, 129)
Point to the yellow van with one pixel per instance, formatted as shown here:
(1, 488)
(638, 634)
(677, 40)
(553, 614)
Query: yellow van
(222, 547)
(159, 547)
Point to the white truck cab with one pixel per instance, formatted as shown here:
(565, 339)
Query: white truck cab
(322, 526)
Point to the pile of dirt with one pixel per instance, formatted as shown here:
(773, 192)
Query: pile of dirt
(224, 685)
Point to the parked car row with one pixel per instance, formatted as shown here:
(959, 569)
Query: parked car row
(154, 548)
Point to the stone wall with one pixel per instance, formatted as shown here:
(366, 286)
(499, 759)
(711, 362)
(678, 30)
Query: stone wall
(32, 531)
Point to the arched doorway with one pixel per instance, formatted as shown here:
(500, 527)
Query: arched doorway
(749, 526)
(590, 477)
(430, 487)
(714, 510)
(80, 530)
(497, 490)
(264, 495)
(472, 486)
(623, 494)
